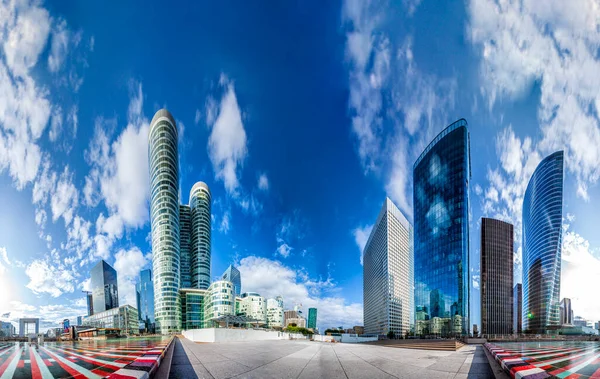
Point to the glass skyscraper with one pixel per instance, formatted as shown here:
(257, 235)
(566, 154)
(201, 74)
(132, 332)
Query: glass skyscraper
(441, 178)
(145, 300)
(200, 202)
(518, 308)
(105, 293)
(542, 241)
(312, 318)
(233, 275)
(164, 219)
(497, 242)
(387, 274)
(185, 245)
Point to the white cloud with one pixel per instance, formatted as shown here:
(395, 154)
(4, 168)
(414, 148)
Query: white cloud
(580, 260)
(65, 198)
(4, 262)
(271, 278)
(60, 43)
(263, 182)
(227, 141)
(51, 278)
(554, 45)
(197, 117)
(361, 236)
(224, 227)
(284, 250)
(128, 264)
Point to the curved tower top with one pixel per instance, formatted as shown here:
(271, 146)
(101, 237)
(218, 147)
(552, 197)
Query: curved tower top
(542, 241)
(197, 186)
(164, 219)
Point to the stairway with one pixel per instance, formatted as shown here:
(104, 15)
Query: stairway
(443, 345)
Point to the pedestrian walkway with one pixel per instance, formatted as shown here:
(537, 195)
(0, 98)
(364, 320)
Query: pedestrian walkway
(312, 360)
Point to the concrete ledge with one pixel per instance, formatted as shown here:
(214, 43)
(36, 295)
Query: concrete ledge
(145, 366)
(238, 335)
(165, 367)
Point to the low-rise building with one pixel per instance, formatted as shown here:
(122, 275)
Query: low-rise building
(7, 329)
(275, 316)
(192, 308)
(254, 306)
(124, 318)
(298, 321)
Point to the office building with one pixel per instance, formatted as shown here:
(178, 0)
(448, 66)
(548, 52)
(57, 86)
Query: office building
(200, 204)
(254, 307)
(105, 292)
(566, 312)
(79, 320)
(219, 301)
(542, 241)
(90, 302)
(441, 177)
(312, 318)
(497, 241)
(580, 321)
(185, 246)
(7, 329)
(164, 219)
(275, 316)
(192, 308)
(124, 318)
(29, 327)
(518, 308)
(233, 275)
(145, 301)
(387, 273)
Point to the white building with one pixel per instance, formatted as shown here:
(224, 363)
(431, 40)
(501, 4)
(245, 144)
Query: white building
(219, 301)
(254, 306)
(388, 274)
(275, 312)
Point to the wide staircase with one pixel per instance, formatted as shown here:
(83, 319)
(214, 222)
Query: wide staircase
(443, 345)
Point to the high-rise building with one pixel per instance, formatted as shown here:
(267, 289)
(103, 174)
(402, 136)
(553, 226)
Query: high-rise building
(254, 307)
(7, 329)
(185, 245)
(233, 275)
(145, 300)
(275, 312)
(79, 319)
(312, 318)
(105, 291)
(497, 240)
(518, 308)
(542, 241)
(566, 312)
(200, 201)
(387, 273)
(90, 303)
(441, 178)
(164, 219)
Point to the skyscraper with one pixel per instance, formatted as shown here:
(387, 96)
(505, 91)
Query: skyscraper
(312, 318)
(496, 276)
(105, 293)
(387, 273)
(164, 219)
(200, 203)
(566, 312)
(90, 303)
(542, 241)
(233, 275)
(518, 308)
(441, 178)
(185, 245)
(145, 300)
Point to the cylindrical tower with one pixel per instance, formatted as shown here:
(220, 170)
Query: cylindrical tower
(200, 252)
(164, 217)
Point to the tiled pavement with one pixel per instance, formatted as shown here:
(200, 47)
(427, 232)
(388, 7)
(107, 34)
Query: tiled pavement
(312, 360)
(548, 359)
(92, 359)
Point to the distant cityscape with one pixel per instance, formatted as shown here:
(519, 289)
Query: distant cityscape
(416, 277)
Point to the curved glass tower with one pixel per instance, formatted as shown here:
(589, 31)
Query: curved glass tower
(542, 241)
(200, 201)
(185, 226)
(441, 233)
(164, 218)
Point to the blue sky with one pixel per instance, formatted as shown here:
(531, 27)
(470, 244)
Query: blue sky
(301, 117)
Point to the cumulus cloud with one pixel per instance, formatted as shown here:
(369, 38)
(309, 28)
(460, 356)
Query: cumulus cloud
(263, 182)
(553, 44)
(271, 278)
(50, 276)
(361, 236)
(396, 109)
(128, 264)
(227, 141)
(65, 198)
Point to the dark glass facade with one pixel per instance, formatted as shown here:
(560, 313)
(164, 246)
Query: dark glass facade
(233, 275)
(497, 240)
(518, 308)
(145, 301)
(542, 241)
(185, 245)
(105, 293)
(441, 178)
(312, 318)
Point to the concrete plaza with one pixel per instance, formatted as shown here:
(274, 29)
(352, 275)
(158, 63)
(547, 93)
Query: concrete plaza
(311, 360)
